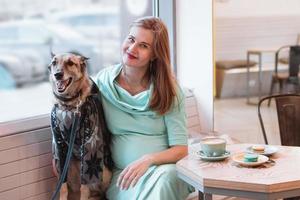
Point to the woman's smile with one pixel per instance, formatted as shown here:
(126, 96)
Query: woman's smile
(131, 56)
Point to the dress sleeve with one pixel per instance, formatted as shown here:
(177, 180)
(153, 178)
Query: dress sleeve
(98, 78)
(175, 121)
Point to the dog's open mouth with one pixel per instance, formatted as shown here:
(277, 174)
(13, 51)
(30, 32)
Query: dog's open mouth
(62, 85)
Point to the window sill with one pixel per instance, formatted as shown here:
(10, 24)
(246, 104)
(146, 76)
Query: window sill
(22, 125)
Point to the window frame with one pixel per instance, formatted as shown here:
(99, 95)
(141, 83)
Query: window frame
(169, 17)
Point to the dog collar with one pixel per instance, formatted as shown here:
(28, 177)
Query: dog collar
(65, 99)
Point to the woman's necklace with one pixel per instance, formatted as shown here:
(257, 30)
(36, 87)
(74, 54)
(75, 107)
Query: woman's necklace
(132, 89)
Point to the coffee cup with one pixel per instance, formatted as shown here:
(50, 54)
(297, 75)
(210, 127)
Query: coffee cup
(213, 146)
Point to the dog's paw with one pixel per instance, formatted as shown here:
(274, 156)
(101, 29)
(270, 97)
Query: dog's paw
(63, 195)
(107, 175)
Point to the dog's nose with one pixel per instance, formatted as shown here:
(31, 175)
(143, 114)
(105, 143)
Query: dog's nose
(59, 75)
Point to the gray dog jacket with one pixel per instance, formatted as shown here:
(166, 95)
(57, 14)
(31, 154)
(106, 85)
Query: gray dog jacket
(92, 140)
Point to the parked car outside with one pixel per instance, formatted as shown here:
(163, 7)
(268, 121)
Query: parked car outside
(42, 38)
(20, 67)
(6, 79)
(101, 25)
(94, 23)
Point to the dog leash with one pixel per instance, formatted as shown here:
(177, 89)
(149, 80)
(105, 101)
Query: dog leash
(69, 154)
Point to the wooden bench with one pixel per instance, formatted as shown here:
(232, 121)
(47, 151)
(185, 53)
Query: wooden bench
(25, 159)
(25, 166)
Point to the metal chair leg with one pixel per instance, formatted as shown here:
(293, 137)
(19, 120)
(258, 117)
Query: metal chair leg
(281, 87)
(271, 90)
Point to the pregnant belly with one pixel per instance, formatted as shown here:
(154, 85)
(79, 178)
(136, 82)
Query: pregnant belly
(128, 148)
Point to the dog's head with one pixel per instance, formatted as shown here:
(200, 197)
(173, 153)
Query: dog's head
(67, 73)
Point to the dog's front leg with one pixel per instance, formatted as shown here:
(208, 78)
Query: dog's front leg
(54, 168)
(63, 194)
(85, 192)
(73, 181)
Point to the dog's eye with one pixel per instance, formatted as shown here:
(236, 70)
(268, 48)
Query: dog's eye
(53, 62)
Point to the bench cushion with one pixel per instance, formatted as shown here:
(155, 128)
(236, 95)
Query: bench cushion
(232, 64)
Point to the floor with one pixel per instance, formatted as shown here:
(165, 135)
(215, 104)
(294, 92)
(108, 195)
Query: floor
(239, 120)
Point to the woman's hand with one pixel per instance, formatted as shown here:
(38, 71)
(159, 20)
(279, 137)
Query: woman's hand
(132, 173)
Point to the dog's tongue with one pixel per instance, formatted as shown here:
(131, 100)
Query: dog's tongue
(60, 85)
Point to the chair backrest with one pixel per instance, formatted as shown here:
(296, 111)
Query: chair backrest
(294, 61)
(191, 108)
(288, 112)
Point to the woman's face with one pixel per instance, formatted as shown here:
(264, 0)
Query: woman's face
(137, 47)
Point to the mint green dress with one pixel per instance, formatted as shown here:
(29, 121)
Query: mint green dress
(136, 131)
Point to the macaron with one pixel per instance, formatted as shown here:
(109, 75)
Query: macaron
(250, 157)
(258, 148)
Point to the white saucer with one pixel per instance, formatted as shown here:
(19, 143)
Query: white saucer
(211, 158)
(239, 158)
(269, 150)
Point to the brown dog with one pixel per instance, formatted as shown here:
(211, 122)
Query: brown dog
(89, 171)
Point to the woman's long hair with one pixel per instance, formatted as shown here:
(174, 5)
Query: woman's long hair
(160, 72)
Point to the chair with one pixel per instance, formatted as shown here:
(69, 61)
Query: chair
(285, 59)
(288, 113)
(222, 66)
(290, 77)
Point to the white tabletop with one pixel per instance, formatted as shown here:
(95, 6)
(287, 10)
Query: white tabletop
(283, 176)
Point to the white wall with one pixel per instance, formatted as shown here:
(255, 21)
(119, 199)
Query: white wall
(256, 8)
(195, 54)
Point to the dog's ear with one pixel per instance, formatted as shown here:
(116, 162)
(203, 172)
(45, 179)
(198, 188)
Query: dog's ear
(83, 58)
(49, 67)
(52, 54)
(83, 63)
(53, 62)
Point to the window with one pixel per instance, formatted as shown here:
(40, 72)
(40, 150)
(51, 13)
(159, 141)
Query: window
(93, 19)
(33, 34)
(24, 87)
(8, 34)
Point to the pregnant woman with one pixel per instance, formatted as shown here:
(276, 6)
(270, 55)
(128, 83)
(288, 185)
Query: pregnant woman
(144, 110)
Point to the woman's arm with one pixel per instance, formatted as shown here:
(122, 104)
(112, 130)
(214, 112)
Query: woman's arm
(171, 155)
(132, 173)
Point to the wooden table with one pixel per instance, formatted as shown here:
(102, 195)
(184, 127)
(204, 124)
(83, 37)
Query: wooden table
(268, 181)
